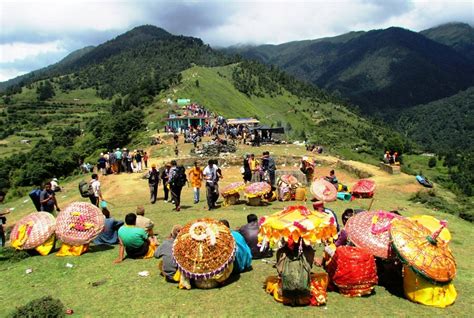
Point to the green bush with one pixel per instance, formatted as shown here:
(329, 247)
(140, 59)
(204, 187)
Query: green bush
(41, 307)
(432, 162)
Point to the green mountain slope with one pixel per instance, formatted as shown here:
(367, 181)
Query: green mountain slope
(459, 36)
(445, 125)
(380, 71)
(317, 118)
(144, 56)
(16, 83)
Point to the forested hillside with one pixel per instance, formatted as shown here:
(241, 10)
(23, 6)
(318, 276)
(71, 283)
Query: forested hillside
(144, 57)
(380, 71)
(459, 36)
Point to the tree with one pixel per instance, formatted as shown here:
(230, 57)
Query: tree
(432, 162)
(45, 91)
(197, 83)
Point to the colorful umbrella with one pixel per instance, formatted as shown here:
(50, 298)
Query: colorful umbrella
(232, 188)
(364, 188)
(433, 224)
(323, 190)
(32, 230)
(370, 230)
(257, 189)
(296, 222)
(79, 223)
(204, 248)
(289, 180)
(423, 250)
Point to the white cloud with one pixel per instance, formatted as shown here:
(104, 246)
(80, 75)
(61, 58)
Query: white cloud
(17, 51)
(7, 73)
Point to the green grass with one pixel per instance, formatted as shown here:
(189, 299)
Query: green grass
(76, 96)
(124, 293)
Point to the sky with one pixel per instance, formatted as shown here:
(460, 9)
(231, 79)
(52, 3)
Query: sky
(37, 33)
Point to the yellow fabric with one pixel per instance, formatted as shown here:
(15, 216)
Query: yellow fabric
(300, 194)
(69, 250)
(45, 248)
(22, 235)
(253, 164)
(419, 290)
(195, 177)
(151, 250)
(184, 282)
(273, 287)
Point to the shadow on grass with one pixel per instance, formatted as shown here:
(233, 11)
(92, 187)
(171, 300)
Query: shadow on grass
(100, 248)
(10, 255)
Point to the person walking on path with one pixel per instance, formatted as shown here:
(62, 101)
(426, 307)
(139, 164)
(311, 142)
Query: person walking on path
(153, 181)
(48, 199)
(177, 180)
(96, 196)
(196, 176)
(210, 175)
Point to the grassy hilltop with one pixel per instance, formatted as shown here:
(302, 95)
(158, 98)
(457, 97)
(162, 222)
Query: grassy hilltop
(124, 293)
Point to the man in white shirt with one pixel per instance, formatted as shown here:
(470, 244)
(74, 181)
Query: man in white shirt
(54, 185)
(210, 176)
(96, 197)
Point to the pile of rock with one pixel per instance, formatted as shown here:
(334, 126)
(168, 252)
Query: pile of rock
(213, 150)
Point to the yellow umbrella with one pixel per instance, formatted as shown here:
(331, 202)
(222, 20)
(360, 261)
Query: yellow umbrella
(296, 222)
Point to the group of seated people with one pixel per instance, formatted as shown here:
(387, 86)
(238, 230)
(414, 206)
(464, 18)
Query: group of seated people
(137, 240)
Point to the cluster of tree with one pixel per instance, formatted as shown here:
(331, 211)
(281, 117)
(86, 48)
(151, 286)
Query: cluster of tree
(45, 90)
(145, 56)
(256, 79)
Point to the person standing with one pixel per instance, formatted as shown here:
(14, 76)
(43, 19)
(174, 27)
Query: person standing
(48, 199)
(177, 181)
(3, 219)
(138, 159)
(96, 197)
(269, 166)
(196, 176)
(101, 164)
(210, 175)
(145, 160)
(254, 168)
(118, 160)
(247, 175)
(165, 175)
(153, 181)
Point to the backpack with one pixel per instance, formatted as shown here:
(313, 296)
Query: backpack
(154, 177)
(179, 179)
(35, 197)
(85, 188)
(295, 276)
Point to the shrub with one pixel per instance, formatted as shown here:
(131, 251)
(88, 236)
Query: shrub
(41, 307)
(432, 162)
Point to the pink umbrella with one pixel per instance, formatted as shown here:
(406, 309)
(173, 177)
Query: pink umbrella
(323, 190)
(371, 231)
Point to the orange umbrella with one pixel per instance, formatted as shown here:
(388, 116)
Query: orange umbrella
(204, 248)
(423, 250)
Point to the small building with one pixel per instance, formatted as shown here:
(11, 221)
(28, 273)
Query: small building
(243, 121)
(177, 122)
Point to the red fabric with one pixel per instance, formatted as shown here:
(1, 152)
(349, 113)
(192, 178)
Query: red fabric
(364, 188)
(352, 268)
